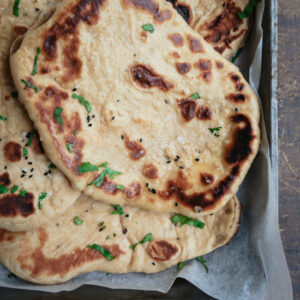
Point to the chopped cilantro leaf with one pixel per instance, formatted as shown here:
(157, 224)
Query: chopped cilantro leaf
(51, 166)
(70, 147)
(203, 262)
(147, 238)
(11, 275)
(118, 210)
(41, 198)
(14, 189)
(248, 10)
(2, 118)
(195, 96)
(180, 265)
(99, 180)
(87, 167)
(31, 137)
(107, 254)
(75, 132)
(215, 130)
(114, 235)
(23, 193)
(16, 8)
(77, 221)
(35, 64)
(83, 102)
(14, 94)
(181, 219)
(25, 152)
(57, 115)
(27, 85)
(120, 187)
(148, 27)
(237, 54)
(3, 189)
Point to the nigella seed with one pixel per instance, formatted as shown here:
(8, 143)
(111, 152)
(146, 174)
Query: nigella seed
(197, 159)
(166, 101)
(32, 170)
(30, 162)
(236, 109)
(122, 137)
(168, 162)
(147, 184)
(149, 190)
(153, 263)
(113, 118)
(75, 89)
(90, 125)
(5, 167)
(30, 176)
(141, 139)
(37, 9)
(154, 191)
(23, 175)
(125, 231)
(127, 216)
(93, 116)
(88, 118)
(181, 167)
(176, 204)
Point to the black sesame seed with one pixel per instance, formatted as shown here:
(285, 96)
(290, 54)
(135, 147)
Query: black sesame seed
(113, 118)
(181, 167)
(23, 171)
(122, 137)
(127, 216)
(5, 167)
(236, 109)
(153, 263)
(154, 191)
(88, 118)
(74, 90)
(197, 159)
(168, 162)
(141, 139)
(26, 157)
(176, 204)
(93, 116)
(90, 125)
(30, 162)
(32, 170)
(30, 176)
(147, 184)
(37, 9)
(125, 231)
(23, 175)
(166, 101)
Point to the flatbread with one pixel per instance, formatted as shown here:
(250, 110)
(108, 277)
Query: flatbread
(58, 251)
(217, 21)
(108, 89)
(26, 169)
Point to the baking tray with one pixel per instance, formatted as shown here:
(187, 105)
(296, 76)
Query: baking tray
(182, 289)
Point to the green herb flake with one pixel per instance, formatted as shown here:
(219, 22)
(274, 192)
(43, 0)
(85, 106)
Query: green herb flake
(25, 152)
(83, 102)
(215, 130)
(3, 118)
(248, 10)
(180, 265)
(14, 189)
(147, 238)
(148, 27)
(107, 254)
(203, 262)
(87, 167)
(70, 147)
(52, 166)
(31, 137)
(77, 221)
(57, 115)
(11, 275)
(41, 198)
(27, 85)
(35, 64)
(118, 210)
(14, 94)
(16, 8)
(107, 237)
(195, 96)
(114, 235)
(120, 187)
(75, 132)
(3, 189)
(107, 171)
(23, 193)
(237, 54)
(181, 219)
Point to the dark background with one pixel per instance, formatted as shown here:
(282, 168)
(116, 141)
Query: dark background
(289, 171)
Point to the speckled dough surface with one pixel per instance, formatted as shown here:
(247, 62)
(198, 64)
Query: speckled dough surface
(58, 251)
(179, 121)
(217, 21)
(31, 193)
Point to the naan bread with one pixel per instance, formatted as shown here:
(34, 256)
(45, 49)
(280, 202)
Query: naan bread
(217, 21)
(27, 169)
(58, 251)
(110, 95)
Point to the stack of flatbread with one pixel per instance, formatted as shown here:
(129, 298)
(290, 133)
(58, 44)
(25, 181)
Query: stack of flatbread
(124, 134)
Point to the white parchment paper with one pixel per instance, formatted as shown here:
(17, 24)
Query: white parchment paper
(253, 265)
